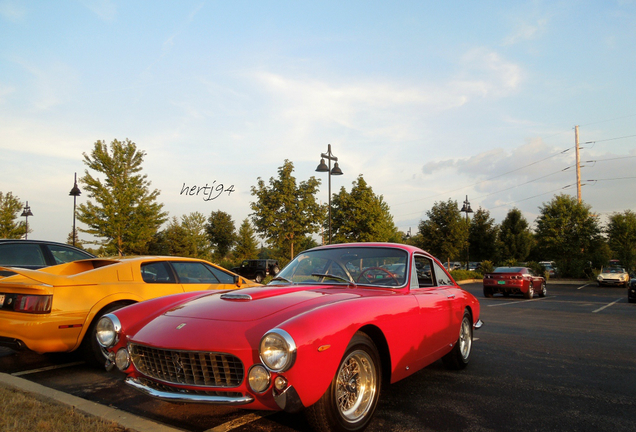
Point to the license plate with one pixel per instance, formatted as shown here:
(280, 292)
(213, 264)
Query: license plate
(501, 282)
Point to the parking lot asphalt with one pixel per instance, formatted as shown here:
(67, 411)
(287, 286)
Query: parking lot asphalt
(558, 375)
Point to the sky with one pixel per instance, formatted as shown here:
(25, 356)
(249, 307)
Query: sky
(427, 100)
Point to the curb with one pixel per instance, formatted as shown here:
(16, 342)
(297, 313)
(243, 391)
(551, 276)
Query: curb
(124, 419)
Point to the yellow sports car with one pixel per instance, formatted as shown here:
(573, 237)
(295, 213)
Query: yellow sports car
(55, 309)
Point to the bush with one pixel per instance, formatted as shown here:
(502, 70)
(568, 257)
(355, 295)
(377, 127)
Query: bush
(487, 267)
(460, 275)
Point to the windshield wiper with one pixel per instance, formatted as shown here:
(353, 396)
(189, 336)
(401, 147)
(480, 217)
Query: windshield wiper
(282, 278)
(335, 277)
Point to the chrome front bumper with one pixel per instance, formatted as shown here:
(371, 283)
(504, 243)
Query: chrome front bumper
(184, 396)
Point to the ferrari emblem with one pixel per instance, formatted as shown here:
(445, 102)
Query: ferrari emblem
(180, 326)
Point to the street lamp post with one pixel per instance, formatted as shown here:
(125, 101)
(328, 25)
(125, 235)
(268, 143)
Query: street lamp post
(466, 209)
(75, 192)
(322, 167)
(26, 213)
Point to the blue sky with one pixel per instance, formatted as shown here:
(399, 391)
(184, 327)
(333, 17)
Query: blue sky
(427, 100)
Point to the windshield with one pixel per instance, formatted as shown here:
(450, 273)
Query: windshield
(376, 266)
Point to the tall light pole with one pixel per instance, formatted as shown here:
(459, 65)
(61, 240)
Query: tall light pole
(26, 213)
(75, 192)
(466, 209)
(322, 167)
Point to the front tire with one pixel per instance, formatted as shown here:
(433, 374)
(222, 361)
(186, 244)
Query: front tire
(544, 290)
(352, 397)
(459, 356)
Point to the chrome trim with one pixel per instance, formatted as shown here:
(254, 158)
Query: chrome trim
(116, 327)
(184, 397)
(478, 324)
(236, 296)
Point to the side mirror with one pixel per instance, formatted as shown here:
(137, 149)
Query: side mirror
(237, 280)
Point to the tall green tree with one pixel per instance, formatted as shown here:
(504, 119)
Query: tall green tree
(621, 234)
(10, 207)
(361, 216)
(569, 233)
(445, 232)
(246, 244)
(125, 212)
(195, 228)
(285, 212)
(482, 237)
(515, 238)
(221, 233)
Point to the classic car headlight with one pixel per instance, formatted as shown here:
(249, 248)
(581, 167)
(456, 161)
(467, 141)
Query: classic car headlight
(122, 359)
(599, 277)
(258, 378)
(277, 350)
(107, 330)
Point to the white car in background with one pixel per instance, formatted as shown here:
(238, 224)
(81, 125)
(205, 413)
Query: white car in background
(613, 276)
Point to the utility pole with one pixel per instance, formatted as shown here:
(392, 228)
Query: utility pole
(578, 164)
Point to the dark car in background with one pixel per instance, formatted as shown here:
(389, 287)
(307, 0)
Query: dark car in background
(257, 269)
(36, 254)
(514, 280)
(631, 291)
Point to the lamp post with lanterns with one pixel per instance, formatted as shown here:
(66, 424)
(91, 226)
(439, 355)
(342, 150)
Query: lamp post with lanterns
(466, 209)
(26, 213)
(322, 167)
(75, 192)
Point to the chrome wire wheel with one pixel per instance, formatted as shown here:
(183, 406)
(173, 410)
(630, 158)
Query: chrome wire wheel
(465, 339)
(356, 386)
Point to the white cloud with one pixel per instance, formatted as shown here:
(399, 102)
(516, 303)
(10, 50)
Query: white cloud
(525, 32)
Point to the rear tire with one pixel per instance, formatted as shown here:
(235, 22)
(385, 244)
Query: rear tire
(529, 294)
(459, 356)
(352, 397)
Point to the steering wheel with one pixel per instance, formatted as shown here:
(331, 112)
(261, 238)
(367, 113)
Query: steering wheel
(391, 275)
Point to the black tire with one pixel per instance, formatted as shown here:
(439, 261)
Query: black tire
(530, 293)
(459, 356)
(361, 371)
(487, 292)
(91, 350)
(259, 277)
(544, 290)
(274, 270)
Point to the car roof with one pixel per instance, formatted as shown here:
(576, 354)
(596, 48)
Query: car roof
(46, 242)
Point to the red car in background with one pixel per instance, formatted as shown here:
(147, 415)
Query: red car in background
(514, 280)
(321, 337)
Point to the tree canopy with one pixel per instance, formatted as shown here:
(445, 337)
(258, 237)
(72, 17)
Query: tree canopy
(444, 233)
(246, 244)
(125, 212)
(285, 212)
(10, 207)
(621, 233)
(361, 216)
(482, 237)
(221, 233)
(515, 238)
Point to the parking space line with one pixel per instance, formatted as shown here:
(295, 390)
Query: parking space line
(48, 368)
(241, 421)
(519, 301)
(607, 305)
(583, 286)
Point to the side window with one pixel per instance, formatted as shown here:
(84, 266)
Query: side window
(21, 255)
(156, 272)
(63, 254)
(425, 277)
(193, 273)
(223, 277)
(442, 278)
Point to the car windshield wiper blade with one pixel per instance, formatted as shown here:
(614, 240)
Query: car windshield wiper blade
(281, 278)
(335, 277)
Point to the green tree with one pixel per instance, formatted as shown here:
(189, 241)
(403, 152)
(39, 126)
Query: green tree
(285, 212)
(445, 233)
(568, 232)
(221, 233)
(195, 228)
(125, 212)
(10, 207)
(515, 238)
(361, 216)
(246, 244)
(482, 237)
(621, 233)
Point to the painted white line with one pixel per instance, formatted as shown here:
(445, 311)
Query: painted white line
(583, 286)
(237, 423)
(518, 301)
(48, 368)
(607, 305)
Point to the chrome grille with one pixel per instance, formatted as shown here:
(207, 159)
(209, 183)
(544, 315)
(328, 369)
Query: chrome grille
(194, 368)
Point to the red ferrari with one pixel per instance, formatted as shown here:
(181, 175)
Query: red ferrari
(322, 337)
(514, 280)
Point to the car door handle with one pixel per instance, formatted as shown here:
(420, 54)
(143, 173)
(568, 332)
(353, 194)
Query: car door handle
(451, 296)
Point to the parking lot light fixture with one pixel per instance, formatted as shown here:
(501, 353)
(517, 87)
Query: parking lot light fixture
(466, 209)
(75, 192)
(323, 167)
(26, 213)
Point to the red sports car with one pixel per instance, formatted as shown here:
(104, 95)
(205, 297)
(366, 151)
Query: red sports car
(514, 280)
(321, 337)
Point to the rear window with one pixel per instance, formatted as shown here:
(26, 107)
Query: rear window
(508, 270)
(18, 255)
